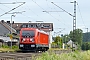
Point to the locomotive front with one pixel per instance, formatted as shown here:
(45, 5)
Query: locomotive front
(27, 39)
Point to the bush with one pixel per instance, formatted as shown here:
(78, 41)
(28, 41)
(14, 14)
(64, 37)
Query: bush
(15, 47)
(86, 46)
(54, 45)
(5, 46)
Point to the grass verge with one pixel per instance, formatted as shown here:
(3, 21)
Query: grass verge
(77, 55)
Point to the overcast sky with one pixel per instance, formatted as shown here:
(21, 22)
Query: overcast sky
(34, 12)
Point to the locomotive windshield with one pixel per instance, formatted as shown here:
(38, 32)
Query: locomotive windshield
(28, 33)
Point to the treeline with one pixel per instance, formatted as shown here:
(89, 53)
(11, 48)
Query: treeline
(82, 40)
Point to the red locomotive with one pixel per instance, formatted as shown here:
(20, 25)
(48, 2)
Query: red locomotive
(32, 39)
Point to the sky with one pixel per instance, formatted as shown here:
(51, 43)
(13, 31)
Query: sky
(32, 10)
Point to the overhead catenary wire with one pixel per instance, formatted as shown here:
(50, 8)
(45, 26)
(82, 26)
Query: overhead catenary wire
(55, 17)
(12, 3)
(61, 8)
(43, 9)
(49, 13)
(34, 12)
(59, 14)
(31, 11)
(81, 15)
(5, 6)
(2, 10)
(12, 9)
(14, 12)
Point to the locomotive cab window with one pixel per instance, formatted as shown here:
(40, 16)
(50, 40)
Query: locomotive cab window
(29, 33)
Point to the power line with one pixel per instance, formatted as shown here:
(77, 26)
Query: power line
(38, 4)
(60, 16)
(62, 9)
(47, 4)
(47, 12)
(53, 11)
(61, 2)
(34, 12)
(5, 5)
(15, 12)
(55, 17)
(58, 13)
(74, 19)
(81, 14)
(8, 3)
(2, 9)
(13, 8)
(12, 3)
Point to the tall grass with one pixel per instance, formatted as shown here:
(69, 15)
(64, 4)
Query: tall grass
(77, 55)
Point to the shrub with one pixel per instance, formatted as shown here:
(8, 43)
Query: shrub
(86, 46)
(15, 47)
(5, 46)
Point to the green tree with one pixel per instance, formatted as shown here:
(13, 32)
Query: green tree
(86, 46)
(65, 38)
(58, 41)
(77, 37)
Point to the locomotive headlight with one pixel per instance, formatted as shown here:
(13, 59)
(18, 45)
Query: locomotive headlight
(31, 39)
(23, 40)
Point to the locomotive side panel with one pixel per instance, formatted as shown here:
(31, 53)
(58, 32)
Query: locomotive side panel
(43, 39)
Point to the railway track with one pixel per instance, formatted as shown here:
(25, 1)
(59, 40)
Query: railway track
(27, 56)
(18, 56)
